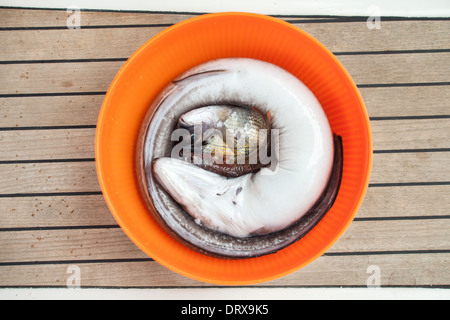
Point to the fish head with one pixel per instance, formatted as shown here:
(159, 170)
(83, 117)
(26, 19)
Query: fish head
(205, 117)
(210, 199)
(203, 122)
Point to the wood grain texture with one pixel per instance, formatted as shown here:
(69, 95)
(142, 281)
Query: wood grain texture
(14, 18)
(410, 167)
(407, 101)
(48, 178)
(411, 134)
(95, 43)
(97, 76)
(327, 271)
(52, 212)
(55, 212)
(406, 201)
(47, 144)
(50, 111)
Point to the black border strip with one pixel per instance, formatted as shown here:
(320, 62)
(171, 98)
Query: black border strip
(200, 287)
(64, 61)
(51, 194)
(400, 218)
(59, 228)
(387, 52)
(375, 253)
(409, 184)
(362, 19)
(90, 193)
(52, 94)
(396, 85)
(411, 150)
(33, 263)
(105, 10)
(118, 26)
(48, 128)
(47, 161)
(425, 117)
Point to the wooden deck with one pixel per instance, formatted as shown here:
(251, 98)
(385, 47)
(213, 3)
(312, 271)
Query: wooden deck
(52, 213)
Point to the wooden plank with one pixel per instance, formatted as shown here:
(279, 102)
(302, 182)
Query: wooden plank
(415, 270)
(83, 110)
(411, 134)
(406, 101)
(97, 76)
(47, 144)
(87, 244)
(355, 36)
(57, 77)
(39, 178)
(55, 211)
(101, 43)
(410, 167)
(74, 44)
(406, 201)
(50, 111)
(57, 245)
(17, 18)
(398, 68)
(394, 235)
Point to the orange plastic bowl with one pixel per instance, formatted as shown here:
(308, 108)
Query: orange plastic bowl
(198, 40)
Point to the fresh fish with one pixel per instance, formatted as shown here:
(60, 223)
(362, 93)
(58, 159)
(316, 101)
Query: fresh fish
(231, 139)
(271, 199)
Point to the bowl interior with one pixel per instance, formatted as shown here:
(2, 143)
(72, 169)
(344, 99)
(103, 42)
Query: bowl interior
(176, 50)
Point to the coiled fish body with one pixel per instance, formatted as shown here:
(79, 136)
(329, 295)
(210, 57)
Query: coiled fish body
(232, 139)
(272, 198)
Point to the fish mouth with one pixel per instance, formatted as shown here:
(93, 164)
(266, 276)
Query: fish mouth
(182, 124)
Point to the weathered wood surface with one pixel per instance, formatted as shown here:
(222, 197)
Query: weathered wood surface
(52, 213)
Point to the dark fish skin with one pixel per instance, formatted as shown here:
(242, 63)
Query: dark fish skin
(228, 170)
(240, 156)
(271, 243)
